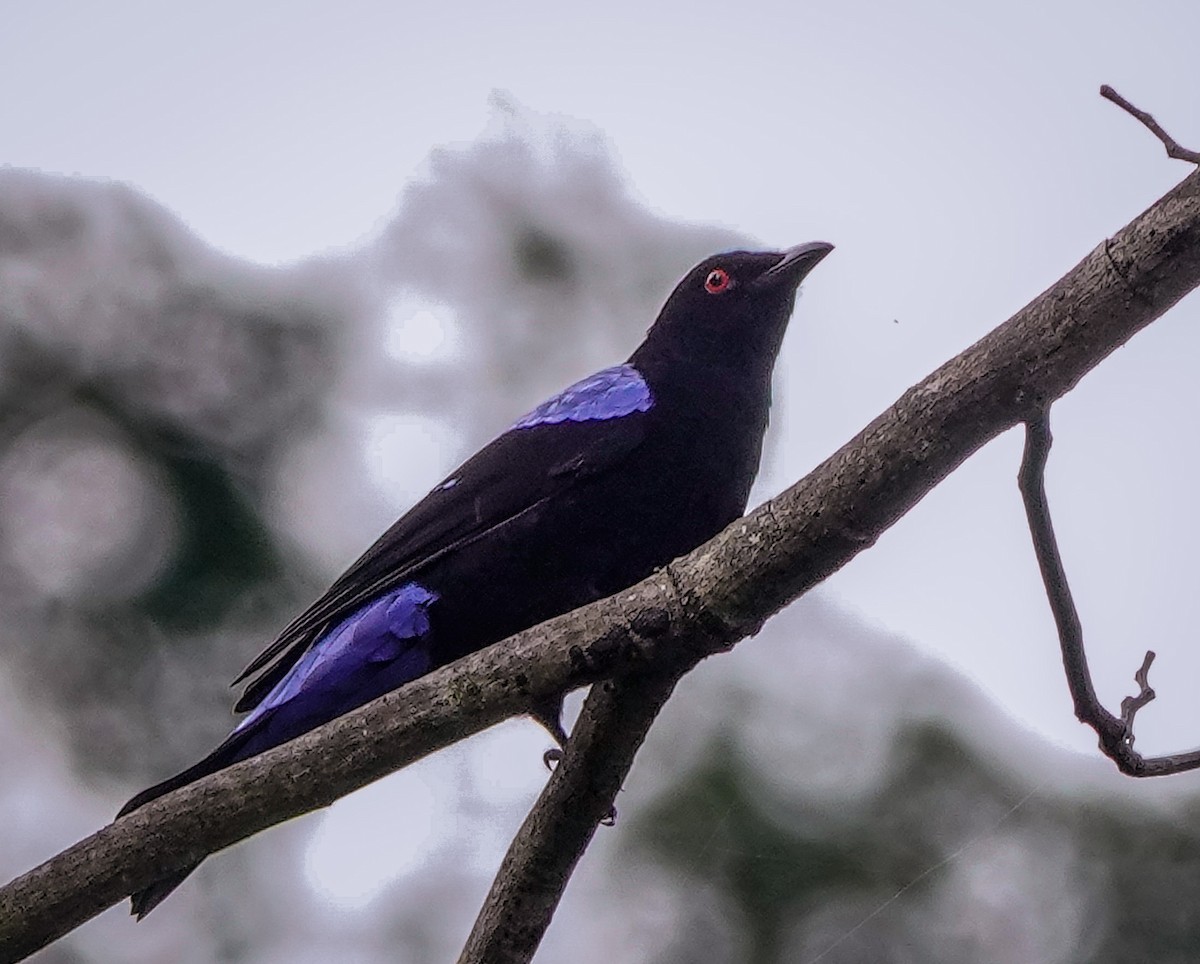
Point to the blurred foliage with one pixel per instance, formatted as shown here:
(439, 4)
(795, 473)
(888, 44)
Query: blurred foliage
(224, 547)
(775, 864)
(186, 395)
(542, 258)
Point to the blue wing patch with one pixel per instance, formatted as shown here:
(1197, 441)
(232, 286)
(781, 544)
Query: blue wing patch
(609, 393)
(386, 630)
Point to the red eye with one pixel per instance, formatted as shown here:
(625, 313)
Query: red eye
(717, 281)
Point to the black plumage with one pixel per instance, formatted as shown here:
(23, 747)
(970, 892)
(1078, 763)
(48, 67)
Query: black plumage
(582, 497)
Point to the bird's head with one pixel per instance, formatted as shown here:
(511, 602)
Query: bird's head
(732, 308)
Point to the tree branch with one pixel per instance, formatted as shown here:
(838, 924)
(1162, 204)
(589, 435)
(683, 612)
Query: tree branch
(1115, 732)
(722, 592)
(1173, 148)
(580, 794)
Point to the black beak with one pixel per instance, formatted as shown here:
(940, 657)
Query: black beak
(795, 265)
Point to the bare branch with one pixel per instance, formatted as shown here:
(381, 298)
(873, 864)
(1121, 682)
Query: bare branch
(723, 591)
(1116, 733)
(530, 882)
(580, 795)
(1173, 148)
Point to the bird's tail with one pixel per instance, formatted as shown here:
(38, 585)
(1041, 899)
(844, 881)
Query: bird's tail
(225, 755)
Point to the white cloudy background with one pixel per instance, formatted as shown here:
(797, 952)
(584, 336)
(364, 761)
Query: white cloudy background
(959, 157)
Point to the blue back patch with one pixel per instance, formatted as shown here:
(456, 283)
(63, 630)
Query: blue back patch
(610, 393)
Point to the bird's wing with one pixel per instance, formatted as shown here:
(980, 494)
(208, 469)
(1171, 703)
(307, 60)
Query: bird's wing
(539, 459)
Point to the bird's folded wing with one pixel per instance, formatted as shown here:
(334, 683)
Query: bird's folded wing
(521, 470)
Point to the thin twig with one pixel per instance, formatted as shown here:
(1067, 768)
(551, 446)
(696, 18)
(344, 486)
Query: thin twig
(1116, 733)
(1131, 704)
(1172, 146)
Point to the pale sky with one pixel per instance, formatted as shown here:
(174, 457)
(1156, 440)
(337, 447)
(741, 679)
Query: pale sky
(958, 155)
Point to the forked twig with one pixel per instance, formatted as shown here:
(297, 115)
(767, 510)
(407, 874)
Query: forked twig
(1172, 146)
(1116, 733)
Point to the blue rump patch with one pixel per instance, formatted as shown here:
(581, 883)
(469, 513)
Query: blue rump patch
(385, 630)
(609, 393)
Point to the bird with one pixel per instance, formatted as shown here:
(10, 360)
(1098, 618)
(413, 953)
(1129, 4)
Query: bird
(588, 493)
